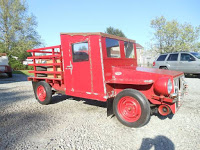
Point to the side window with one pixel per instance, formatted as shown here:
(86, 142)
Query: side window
(80, 52)
(128, 49)
(161, 58)
(187, 57)
(112, 47)
(172, 57)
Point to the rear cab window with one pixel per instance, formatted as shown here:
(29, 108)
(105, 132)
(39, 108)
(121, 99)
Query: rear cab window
(113, 48)
(162, 57)
(172, 57)
(129, 50)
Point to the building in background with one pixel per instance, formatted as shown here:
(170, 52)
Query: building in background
(145, 57)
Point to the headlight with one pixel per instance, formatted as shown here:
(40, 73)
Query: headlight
(163, 86)
(169, 86)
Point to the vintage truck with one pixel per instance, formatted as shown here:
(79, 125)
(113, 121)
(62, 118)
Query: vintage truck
(4, 67)
(103, 67)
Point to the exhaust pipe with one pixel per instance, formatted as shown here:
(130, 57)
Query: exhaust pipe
(164, 110)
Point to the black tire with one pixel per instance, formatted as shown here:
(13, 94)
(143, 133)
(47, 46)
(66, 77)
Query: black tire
(43, 92)
(9, 74)
(41, 75)
(141, 101)
(41, 68)
(165, 68)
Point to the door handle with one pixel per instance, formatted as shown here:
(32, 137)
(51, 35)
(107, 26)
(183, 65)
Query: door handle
(69, 67)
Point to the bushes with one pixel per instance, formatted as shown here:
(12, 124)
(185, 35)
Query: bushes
(17, 65)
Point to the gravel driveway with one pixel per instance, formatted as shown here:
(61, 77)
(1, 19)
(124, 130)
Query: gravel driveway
(73, 123)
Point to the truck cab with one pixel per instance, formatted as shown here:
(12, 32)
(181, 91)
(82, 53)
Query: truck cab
(103, 67)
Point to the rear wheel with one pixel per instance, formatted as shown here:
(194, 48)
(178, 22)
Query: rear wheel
(132, 108)
(9, 74)
(164, 68)
(43, 92)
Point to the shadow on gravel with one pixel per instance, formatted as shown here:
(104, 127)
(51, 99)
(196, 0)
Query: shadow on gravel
(170, 116)
(7, 97)
(59, 98)
(160, 142)
(16, 78)
(16, 126)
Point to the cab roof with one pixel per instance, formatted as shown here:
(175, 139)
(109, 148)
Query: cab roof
(101, 34)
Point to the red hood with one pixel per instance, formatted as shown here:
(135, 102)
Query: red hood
(159, 71)
(140, 75)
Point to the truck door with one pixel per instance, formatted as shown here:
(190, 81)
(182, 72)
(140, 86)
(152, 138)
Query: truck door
(172, 61)
(188, 63)
(78, 67)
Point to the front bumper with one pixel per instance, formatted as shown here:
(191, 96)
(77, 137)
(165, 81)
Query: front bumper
(175, 99)
(181, 90)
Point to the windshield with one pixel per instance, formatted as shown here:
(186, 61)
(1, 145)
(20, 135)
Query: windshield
(197, 55)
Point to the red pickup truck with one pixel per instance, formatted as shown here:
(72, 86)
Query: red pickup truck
(103, 67)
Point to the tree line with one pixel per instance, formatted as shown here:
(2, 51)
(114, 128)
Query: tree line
(17, 29)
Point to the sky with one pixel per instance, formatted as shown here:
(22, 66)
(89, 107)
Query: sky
(133, 17)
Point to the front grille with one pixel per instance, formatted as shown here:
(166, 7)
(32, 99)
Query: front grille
(179, 85)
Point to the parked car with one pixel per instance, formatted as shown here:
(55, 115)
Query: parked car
(187, 62)
(4, 67)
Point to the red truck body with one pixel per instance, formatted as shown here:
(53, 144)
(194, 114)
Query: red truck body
(103, 67)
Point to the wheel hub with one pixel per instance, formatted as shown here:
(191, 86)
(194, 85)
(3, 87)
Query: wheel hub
(41, 93)
(129, 109)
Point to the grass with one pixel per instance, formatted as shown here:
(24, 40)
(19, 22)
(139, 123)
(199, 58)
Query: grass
(25, 72)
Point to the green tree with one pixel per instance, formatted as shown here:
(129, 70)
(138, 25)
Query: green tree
(172, 36)
(113, 31)
(17, 29)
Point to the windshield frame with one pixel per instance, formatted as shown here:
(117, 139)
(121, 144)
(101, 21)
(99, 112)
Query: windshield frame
(195, 54)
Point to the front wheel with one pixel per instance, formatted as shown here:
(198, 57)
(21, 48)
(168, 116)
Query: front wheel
(9, 74)
(132, 108)
(43, 92)
(165, 68)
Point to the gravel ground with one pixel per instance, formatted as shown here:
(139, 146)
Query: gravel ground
(72, 123)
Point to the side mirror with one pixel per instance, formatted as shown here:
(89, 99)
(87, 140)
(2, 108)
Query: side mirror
(192, 59)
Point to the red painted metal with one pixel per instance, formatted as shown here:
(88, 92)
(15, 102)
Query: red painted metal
(45, 57)
(164, 110)
(50, 64)
(160, 86)
(101, 77)
(41, 93)
(129, 109)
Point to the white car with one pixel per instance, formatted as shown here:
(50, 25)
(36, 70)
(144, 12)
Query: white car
(187, 62)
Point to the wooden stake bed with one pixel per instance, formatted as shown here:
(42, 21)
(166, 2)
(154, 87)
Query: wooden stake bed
(47, 64)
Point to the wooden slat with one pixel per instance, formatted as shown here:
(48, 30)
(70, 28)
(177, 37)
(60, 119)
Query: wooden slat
(43, 78)
(44, 57)
(46, 64)
(45, 48)
(47, 72)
